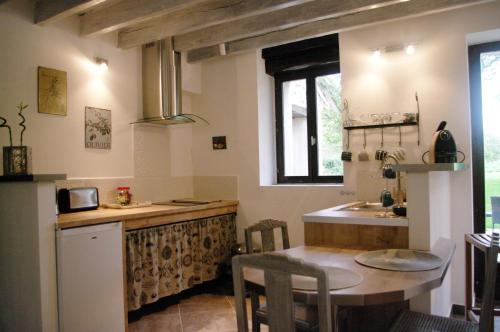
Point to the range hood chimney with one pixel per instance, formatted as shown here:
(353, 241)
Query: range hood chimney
(162, 85)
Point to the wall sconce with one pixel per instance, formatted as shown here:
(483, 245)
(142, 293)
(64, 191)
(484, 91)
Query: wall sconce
(409, 49)
(377, 53)
(102, 64)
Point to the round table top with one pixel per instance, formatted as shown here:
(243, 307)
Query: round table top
(338, 278)
(377, 287)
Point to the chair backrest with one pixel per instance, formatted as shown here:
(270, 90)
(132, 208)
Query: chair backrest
(278, 270)
(266, 229)
(491, 248)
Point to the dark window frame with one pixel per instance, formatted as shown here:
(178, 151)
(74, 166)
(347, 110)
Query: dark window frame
(310, 75)
(477, 145)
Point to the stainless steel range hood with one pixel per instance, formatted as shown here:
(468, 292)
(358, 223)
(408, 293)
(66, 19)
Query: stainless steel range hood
(162, 85)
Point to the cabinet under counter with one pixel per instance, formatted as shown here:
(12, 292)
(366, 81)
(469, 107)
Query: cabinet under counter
(346, 227)
(166, 249)
(168, 259)
(355, 236)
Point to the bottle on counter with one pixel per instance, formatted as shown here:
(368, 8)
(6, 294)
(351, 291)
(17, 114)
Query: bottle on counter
(124, 196)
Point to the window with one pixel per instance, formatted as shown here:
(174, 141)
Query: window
(309, 125)
(308, 110)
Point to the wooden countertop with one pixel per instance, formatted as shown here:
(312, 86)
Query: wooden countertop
(378, 286)
(338, 215)
(146, 216)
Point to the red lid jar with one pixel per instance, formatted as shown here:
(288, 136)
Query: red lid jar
(124, 196)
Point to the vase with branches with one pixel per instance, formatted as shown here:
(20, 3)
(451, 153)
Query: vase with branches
(16, 159)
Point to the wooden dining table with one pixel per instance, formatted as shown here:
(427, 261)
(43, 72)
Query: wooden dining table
(378, 287)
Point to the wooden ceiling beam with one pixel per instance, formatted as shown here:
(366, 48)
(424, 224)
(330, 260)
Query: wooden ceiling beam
(332, 25)
(128, 12)
(47, 11)
(193, 18)
(278, 20)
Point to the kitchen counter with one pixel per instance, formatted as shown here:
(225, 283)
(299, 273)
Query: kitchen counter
(336, 215)
(340, 228)
(145, 216)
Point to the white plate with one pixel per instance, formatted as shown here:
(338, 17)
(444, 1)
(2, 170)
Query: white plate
(399, 260)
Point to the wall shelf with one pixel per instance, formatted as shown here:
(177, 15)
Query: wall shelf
(384, 125)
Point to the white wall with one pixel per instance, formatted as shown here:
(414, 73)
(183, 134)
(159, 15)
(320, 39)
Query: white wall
(140, 155)
(55, 140)
(237, 98)
(229, 101)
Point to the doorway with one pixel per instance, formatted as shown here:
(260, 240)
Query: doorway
(484, 76)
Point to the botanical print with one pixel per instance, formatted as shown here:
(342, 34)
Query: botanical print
(97, 128)
(52, 91)
(166, 260)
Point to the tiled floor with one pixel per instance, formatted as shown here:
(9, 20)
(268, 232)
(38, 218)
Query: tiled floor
(204, 313)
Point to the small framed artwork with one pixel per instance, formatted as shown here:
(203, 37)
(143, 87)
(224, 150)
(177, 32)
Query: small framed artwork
(52, 91)
(97, 128)
(219, 143)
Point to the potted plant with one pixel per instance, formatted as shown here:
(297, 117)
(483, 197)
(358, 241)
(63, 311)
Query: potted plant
(16, 159)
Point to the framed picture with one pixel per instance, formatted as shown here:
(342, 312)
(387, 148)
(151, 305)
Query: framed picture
(97, 128)
(52, 91)
(219, 143)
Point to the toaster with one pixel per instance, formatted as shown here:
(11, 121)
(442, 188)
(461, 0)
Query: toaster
(77, 199)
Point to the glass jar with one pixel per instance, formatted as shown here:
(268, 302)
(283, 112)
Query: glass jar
(123, 196)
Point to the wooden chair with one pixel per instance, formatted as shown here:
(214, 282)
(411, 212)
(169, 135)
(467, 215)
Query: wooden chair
(266, 229)
(278, 270)
(414, 321)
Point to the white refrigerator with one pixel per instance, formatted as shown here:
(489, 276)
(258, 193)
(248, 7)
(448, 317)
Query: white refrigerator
(90, 279)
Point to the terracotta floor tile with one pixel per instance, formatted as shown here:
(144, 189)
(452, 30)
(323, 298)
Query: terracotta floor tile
(208, 321)
(157, 322)
(204, 313)
(263, 328)
(141, 325)
(206, 302)
(165, 323)
(172, 309)
(262, 300)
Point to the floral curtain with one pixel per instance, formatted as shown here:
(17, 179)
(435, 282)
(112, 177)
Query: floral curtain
(168, 259)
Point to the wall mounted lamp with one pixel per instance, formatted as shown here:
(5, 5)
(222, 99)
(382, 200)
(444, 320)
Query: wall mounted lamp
(410, 49)
(102, 64)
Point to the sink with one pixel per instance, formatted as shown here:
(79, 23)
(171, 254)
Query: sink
(365, 206)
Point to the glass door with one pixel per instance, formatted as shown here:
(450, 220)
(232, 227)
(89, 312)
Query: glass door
(484, 71)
